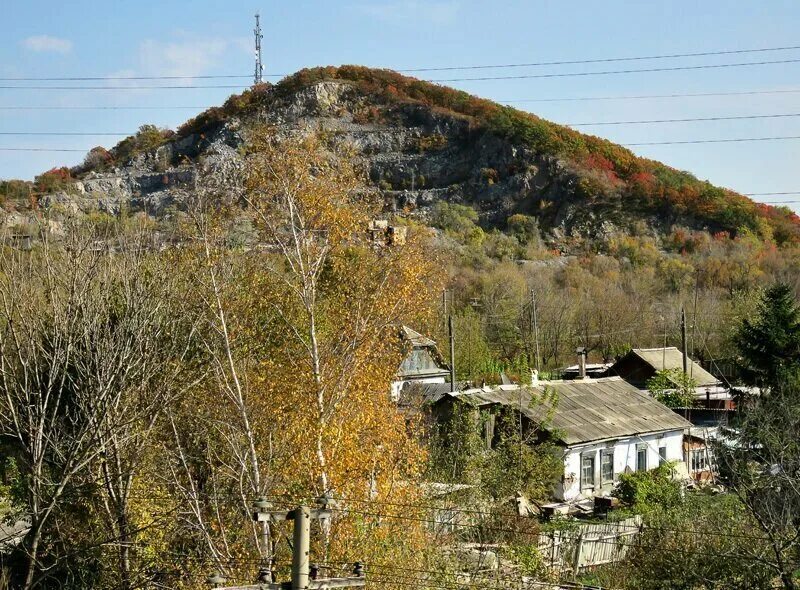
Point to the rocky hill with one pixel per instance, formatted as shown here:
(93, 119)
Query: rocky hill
(418, 143)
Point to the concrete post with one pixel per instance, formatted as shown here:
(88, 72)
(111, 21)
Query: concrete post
(301, 547)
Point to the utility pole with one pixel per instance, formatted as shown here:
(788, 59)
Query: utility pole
(258, 78)
(685, 357)
(535, 325)
(452, 354)
(304, 576)
(444, 308)
(683, 343)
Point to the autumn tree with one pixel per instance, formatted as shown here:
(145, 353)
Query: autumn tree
(300, 333)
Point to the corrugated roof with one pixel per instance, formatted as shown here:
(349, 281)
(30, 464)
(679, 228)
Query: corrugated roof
(672, 358)
(586, 410)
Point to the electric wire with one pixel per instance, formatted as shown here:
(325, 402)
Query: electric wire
(687, 120)
(648, 143)
(437, 80)
(600, 60)
(617, 72)
(423, 69)
(654, 96)
(583, 124)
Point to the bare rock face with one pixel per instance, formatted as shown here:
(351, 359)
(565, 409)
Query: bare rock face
(413, 155)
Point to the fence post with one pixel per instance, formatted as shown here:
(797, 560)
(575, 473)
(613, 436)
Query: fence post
(578, 550)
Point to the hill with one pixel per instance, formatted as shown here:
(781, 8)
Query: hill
(420, 143)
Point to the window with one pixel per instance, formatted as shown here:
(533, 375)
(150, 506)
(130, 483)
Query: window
(641, 457)
(662, 455)
(607, 466)
(698, 460)
(587, 471)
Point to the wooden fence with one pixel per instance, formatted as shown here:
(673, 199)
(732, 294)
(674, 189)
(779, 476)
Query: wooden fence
(588, 545)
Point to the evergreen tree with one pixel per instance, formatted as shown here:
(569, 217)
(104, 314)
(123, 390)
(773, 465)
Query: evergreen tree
(770, 343)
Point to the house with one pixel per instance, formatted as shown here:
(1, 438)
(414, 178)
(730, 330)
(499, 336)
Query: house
(641, 364)
(713, 400)
(604, 427)
(422, 363)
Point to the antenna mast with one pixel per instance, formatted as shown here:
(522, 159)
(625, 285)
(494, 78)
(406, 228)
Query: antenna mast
(258, 78)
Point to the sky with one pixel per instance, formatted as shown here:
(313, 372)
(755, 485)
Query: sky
(82, 38)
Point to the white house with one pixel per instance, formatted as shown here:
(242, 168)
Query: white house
(605, 427)
(422, 363)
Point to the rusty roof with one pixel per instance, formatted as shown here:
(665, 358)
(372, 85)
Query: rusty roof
(583, 411)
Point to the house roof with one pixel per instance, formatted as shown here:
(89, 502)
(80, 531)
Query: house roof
(431, 392)
(415, 338)
(672, 358)
(585, 410)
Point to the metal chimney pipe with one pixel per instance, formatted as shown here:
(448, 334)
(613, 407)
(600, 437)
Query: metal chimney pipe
(581, 362)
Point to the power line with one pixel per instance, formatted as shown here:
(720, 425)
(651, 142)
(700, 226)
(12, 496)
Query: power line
(476, 79)
(521, 100)
(770, 194)
(684, 142)
(601, 60)
(655, 96)
(696, 141)
(612, 72)
(162, 87)
(100, 78)
(422, 69)
(66, 133)
(688, 120)
(95, 108)
(598, 123)
(15, 149)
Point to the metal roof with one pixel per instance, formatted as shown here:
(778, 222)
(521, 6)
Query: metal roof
(584, 410)
(672, 358)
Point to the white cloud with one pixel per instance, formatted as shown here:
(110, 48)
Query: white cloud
(442, 12)
(42, 43)
(188, 56)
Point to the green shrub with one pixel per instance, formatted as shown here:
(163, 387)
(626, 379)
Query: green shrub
(646, 491)
(672, 388)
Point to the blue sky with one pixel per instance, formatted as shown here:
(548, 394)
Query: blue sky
(208, 37)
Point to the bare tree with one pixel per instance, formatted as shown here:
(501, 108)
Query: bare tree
(82, 331)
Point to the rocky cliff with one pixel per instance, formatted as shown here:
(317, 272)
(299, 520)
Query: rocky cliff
(418, 144)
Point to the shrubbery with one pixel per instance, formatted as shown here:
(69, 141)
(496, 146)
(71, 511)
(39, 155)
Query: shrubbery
(149, 137)
(646, 491)
(55, 179)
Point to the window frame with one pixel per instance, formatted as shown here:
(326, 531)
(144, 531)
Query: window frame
(590, 456)
(662, 454)
(641, 452)
(607, 454)
(698, 461)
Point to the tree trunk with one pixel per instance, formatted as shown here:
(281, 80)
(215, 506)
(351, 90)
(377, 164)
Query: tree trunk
(33, 551)
(124, 549)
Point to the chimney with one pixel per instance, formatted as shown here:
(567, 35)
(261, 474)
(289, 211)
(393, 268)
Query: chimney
(534, 378)
(581, 362)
